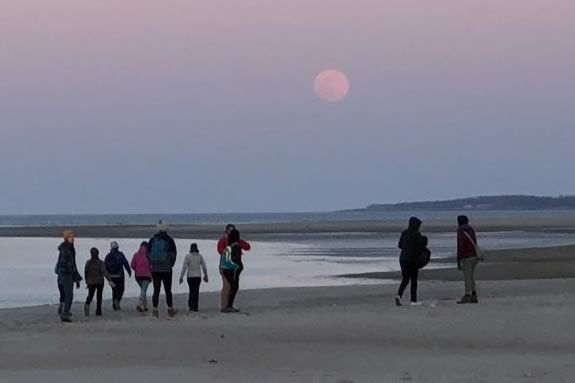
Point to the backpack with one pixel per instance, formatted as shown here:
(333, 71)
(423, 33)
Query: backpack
(113, 264)
(226, 262)
(423, 258)
(159, 251)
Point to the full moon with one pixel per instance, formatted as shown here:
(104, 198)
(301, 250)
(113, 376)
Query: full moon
(331, 85)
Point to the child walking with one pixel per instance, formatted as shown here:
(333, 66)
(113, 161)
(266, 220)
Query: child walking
(94, 274)
(143, 271)
(194, 265)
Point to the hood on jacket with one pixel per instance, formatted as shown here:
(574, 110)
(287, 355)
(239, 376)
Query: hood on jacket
(94, 253)
(414, 224)
(462, 220)
(64, 245)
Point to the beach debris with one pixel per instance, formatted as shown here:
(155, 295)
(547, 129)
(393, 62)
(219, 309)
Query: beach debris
(345, 381)
(213, 361)
(528, 374)
(222, 336)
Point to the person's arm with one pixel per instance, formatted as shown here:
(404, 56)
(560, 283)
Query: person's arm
(204, 268)
(173, 250)
(133, 263)
(460, 238)
(105, 272)
(401, 240)
(184, 269)
(221, 245)
(86, 271)
(126, 265)
(245, 245)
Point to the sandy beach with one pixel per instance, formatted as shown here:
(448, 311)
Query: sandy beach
(520, 332)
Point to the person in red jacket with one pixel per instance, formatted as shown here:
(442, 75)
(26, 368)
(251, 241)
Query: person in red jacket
(227, 292)
(467, 258)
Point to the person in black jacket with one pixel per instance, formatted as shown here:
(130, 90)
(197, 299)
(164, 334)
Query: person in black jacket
(163, 252)
(411, 245)
(67, 273)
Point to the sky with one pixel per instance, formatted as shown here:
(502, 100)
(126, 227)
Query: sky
(180, 106)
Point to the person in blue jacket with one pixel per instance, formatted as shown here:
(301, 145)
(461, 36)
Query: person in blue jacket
(68, 275)
(116, 263)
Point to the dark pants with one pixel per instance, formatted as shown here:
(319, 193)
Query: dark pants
(233, 278)
(67, 284)
(95, 289)
(62, 293)
(118, 289)
(409, 272)
(158, 279)
(194, 285)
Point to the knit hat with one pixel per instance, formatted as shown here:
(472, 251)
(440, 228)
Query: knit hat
(114, 245)
(163, 227)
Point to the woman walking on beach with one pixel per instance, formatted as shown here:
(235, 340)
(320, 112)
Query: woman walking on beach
(411, 244)
(163, 255)
(467, 258)
(193, 267)
(67, 273)
(116, 263)
(143, 273)
(94, 274)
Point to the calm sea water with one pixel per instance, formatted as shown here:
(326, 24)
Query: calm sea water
(27, 273)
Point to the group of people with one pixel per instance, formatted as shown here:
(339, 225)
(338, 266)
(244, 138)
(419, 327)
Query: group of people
(415, 255)
(153, 263)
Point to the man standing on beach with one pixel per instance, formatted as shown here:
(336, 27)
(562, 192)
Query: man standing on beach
(163, 252)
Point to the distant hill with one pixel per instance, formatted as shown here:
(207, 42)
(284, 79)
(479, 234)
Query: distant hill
(508, 202)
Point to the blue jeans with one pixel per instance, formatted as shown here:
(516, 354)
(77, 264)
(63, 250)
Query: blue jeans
(67, 284)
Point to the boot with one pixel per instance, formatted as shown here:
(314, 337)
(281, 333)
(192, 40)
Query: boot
(466, 299)
(65, 317)
(115, 305)
(98, 311)
(398, 301)
(87, 310)
(155, 312)
(60, 308)
(474, 298)
(172, 312)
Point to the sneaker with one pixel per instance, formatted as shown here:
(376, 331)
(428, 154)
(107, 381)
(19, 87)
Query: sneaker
(474, 298)
(60, 308)
(65, 318)
(227, 310)
(139, 309)
(115, 305)
(155, 313)
(87, 310)
(234, 310)
(464, 300)
(398, 301)
(416, 303)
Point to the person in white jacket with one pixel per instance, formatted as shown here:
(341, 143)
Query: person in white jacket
(193, 267)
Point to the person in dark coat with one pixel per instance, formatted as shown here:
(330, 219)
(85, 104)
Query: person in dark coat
(467, 258)
(67, 274)
(94, 274)
(411, 244)
(163, 253)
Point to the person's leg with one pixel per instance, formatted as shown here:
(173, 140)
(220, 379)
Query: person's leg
(167, 280)
(467, 273)
(144, 294)
(157, 281)
(68, 285)
(91, 291)
(62, 298)
(413, 277)
(121, 288)
(404, 279)
(190, 292)
(99, 291)
(225, 296)
(195, 293)
(474, 298)
(236, 286)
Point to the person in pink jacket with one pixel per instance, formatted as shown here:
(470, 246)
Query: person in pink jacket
(143, 271)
